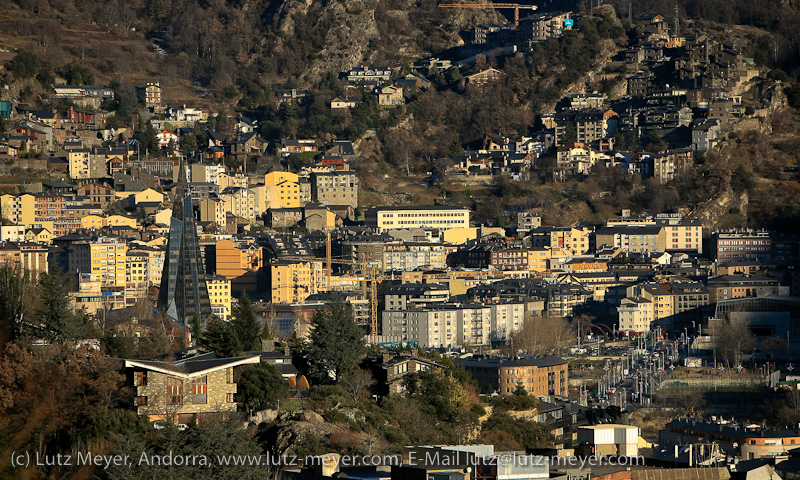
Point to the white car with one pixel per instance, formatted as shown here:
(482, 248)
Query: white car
(161, 424)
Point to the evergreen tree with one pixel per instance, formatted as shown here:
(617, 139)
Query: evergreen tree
(220, 338)
(13, 287)
(197, 329)
(336, 341)
(245, 326)
(261, 387)
(55, 319)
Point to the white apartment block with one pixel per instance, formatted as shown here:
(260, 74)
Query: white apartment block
(443, 218)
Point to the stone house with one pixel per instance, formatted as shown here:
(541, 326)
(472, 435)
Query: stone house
(179, 390)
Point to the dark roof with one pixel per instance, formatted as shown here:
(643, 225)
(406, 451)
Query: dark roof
(477, 362)
(732, 431)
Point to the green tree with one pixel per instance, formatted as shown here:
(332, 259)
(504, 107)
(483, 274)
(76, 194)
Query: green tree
(188, 144)
(520, 390)
(24, 65)
(335, 342)
(742, 180)
(245, 326)
(55, 318)
(197, 329)
(76, 74)
(220, 338)
(527, 433)
(13, 288)
(261, 387)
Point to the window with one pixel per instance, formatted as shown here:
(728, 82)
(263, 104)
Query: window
(140, 401)
(229, 374)
(229, 398)
(174, 391)
(200, 389)
(140, 378)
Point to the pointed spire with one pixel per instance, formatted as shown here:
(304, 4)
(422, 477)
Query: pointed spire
(180, 189)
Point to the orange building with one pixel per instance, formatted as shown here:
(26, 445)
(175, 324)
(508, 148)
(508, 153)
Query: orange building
(240, 261)
(539, 376)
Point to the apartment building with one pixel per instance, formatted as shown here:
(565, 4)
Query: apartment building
(137, 277)
(201, 173)
(25, 256)
(240, 202)
(575, 240)
(741, 245)
(213, 210)
(335, 188)
(440, 326)
(219, 293)
(414, 255)
(441, 217)
(292, 281)
(409, 296)
(539, 376)
(636, 315)
(241, 262)
(543, 26)
(106, 257)
(531, 260)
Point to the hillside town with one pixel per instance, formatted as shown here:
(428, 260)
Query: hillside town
(218, 265)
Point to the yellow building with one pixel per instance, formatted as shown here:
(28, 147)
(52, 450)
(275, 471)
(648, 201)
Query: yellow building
(106, 257)
(240, 263)
(163, 216)
(225, 180)
(219, 291)
(457, 236)
(282, 190)
(137, 279)
(576, 240)
(78, 161)
(148, 195)
(212, 210)
(39, 235)
(94, 222)
(294, 281)
(19, 209)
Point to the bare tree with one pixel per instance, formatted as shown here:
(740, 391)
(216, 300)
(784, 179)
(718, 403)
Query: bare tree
(731, 341)
(541, 335)
(358, 383)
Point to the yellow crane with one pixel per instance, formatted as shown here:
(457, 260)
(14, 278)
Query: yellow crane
(497, 6)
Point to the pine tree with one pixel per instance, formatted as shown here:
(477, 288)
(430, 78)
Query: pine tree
(55, 319)
(13, 286)
(220, 338)
(197, 330)
(336, 341)
(261, 387)
(245, 326)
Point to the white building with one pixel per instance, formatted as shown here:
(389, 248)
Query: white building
(441, 217)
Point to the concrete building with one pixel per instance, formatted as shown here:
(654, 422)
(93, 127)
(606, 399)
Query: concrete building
(741, 245)
(335, 188)
(241, 262)
(610, 439)
(441, 217)
(539, 376)
(635, 315)
(219, 293)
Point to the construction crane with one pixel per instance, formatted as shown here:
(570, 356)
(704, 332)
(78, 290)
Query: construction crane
(371, 279)
(516, 6)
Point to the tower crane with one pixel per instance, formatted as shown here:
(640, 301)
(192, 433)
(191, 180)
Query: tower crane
(516, 6)
(371, 278)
